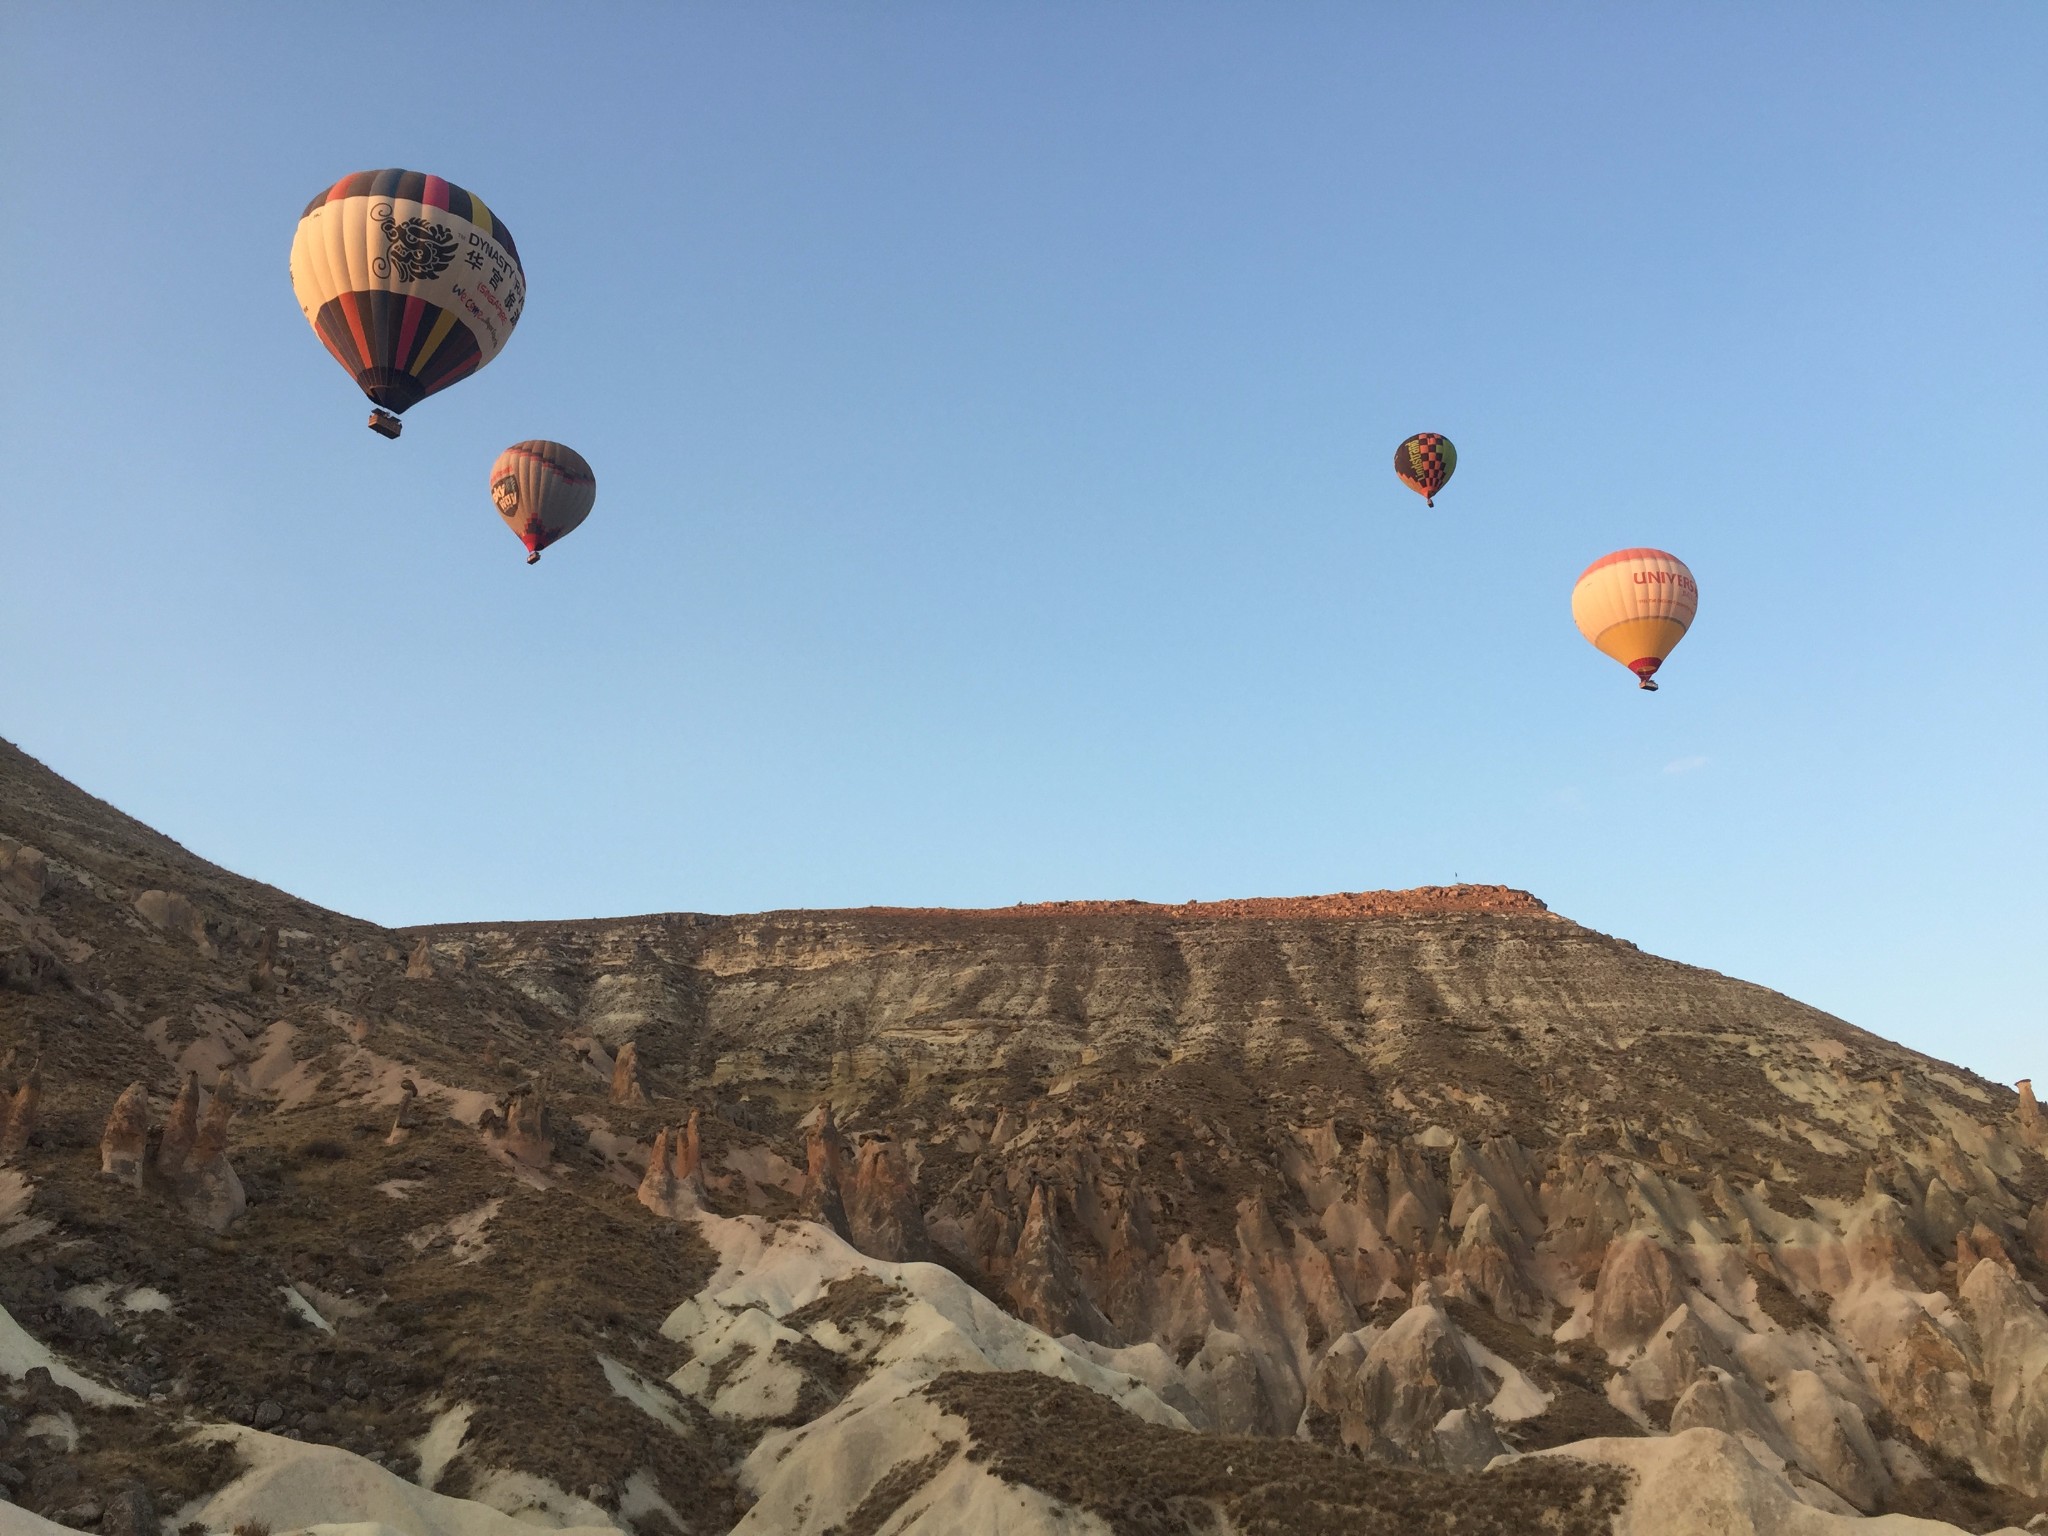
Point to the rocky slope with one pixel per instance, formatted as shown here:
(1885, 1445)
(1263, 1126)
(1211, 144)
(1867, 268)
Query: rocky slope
(1403, 1211)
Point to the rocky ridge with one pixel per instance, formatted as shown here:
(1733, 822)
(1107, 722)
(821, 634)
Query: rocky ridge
(1419, 1200)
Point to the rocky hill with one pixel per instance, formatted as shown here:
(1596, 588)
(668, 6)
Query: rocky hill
(1395, 1211)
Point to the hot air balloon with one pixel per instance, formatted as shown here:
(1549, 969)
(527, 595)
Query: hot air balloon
(411, 282)
(543, 491)
(1425, 462)
(1635, 605)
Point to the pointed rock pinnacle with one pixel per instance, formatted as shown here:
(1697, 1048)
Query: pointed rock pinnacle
(124, 1141)
(21, 1115)
(180, 1130)
(626, 1087)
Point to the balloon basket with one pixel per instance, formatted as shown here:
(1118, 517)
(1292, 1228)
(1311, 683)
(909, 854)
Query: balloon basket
(384, 424)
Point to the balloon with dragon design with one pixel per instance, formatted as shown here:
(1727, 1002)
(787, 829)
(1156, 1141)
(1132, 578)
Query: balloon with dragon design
(410, 282)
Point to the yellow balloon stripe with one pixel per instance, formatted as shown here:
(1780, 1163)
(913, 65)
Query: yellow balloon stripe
(434, 339)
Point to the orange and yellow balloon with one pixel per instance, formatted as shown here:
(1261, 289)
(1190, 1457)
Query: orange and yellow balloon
(543, 490)
(1635, 605)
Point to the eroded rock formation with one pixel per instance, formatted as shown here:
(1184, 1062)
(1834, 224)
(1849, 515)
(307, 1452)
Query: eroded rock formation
(20, 1109)
(181, 1129)
(407, 1115)
(1408, 1393)
(658, 1185)
(825, 1171)
(2012, 1336)
(689, 1155)
(174, 915)
(528, 1136)
(674, 1182)
(124, 1141)
(1042, 1283)
(884, 1218)
(1639, 1287)
(24, 873)
(207, 1186)
(626, 1087)
(18, 1112)
(191, 1166)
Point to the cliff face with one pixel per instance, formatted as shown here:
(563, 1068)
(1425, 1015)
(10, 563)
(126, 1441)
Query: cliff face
(1422, 1177)
(1244, 1133)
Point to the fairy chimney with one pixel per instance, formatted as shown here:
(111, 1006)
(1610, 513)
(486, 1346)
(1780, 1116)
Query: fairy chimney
(21, 1114)
(1976, 1245)
(1639, 1286)
(690, 1156)
(123, 1143)
(180, 1130)
(407, 1116)
(526, 1128)
(674, 1182)
(626, 1087)
(263, 974)
(2032, 1131)
(24, 873)
(207, 1185)
(825, 1174)
(212, 1138)
(658, 1187)
(420, 965)
(883, 1217)
(2037, 1232)
(1042, 1280)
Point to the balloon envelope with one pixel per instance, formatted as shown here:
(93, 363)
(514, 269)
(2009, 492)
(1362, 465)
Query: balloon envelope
(1424, 462)
(543, 490)
(409, 281)
(1635, 605)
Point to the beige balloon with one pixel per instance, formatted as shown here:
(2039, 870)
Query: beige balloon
(543, 490)
(1635, 605)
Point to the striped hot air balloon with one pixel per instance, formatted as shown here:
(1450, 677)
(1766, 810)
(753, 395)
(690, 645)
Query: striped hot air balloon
(411, 282)
(1424, 462)
(1635, 605)
(543, 490)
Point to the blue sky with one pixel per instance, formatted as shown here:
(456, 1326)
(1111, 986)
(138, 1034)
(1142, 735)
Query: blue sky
(992, 408)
